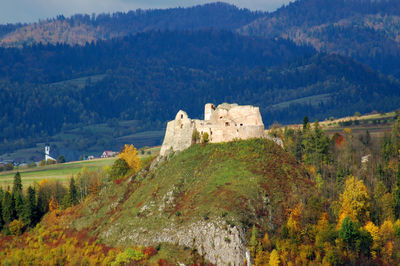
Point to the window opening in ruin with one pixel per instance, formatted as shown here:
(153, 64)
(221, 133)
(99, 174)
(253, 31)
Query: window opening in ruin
(227, 124)
(220, 117)
(181, 125)
(241, 125)
(181, 116)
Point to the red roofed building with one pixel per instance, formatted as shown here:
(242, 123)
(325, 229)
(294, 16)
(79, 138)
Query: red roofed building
(108, 154)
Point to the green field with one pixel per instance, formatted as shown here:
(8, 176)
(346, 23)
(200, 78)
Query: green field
(60, 172)
(78, 82)
(64, 171)
(311, 100)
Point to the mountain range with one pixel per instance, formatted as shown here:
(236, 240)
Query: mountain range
(313, 58)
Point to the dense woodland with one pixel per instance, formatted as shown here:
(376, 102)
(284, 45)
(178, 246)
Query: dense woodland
(142, 80)
(364, 30)
(185, 57)
(355, 217)
(81, 29)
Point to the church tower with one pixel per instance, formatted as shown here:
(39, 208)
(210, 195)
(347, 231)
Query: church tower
(47, 153)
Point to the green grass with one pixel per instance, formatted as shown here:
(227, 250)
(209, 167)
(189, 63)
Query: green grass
(78, 82)
(205, 182)
(60, 172)
(312, 100)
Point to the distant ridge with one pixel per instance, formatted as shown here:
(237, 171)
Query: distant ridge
(365, 30)
(80, 29)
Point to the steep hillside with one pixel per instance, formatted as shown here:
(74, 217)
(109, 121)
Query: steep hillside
(206, 197)
(365, 30)
(82, 29)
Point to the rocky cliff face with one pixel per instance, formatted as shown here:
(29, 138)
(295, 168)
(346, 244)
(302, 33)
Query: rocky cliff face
(215, 240)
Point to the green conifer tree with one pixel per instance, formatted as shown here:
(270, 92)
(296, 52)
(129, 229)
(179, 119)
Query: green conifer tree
(8, 208)
(17, 195)
(30, 208)
(73, 192)
(17, 184)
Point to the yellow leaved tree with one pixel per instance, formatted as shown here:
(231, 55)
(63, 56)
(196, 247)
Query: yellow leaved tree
(354, 201)
(274, 258)
(129, 154)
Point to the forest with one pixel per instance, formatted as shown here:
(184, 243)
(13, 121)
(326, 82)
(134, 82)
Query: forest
(80, 29)
(136, 78)
(366, 31)
(301, 59)
(355, 216)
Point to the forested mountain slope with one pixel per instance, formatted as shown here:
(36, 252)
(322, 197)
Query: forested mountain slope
(368, 31)
(80, 29)
(150, 76)
(132, 78)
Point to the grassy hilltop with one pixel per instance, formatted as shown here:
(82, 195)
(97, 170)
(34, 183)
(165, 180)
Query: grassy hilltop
(234, 185)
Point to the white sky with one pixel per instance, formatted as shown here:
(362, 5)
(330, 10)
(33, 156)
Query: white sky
(12, 11)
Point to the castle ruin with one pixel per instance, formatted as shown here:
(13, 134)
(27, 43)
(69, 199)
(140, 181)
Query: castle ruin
(225, 122)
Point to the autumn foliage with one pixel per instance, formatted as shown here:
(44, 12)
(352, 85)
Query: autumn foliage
(129, 154)
(53, 244)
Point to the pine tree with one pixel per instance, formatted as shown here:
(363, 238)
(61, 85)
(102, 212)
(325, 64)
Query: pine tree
(8, 208)
(321, 144)
(73, 193)
(17, 184)
(30, 208)
(306, 122)
(17, 195)
(19, 204)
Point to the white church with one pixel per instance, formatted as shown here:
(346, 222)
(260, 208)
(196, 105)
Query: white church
(47, 153)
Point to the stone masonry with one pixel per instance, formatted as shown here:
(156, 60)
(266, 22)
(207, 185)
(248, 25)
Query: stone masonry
(225, 122)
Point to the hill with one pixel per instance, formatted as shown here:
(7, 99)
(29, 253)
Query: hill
(81, 29)
(364, 30)
(205, 198)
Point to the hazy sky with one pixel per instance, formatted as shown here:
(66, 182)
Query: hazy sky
(12, 11)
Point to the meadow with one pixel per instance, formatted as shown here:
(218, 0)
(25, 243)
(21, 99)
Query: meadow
(60, 172)
(64, 171)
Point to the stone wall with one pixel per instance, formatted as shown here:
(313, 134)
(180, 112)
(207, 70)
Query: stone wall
(223, 123)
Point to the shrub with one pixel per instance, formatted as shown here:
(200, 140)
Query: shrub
(205, 138)
(195, 136)
(16, 227)
(119, 169)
